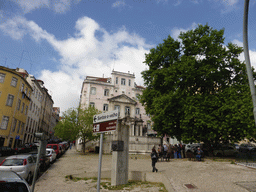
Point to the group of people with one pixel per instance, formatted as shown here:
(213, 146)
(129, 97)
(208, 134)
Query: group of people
(171, 151)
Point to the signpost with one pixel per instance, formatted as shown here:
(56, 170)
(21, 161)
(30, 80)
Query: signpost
(104, 122)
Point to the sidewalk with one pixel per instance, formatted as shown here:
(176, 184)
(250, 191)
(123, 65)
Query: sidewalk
(178, 174)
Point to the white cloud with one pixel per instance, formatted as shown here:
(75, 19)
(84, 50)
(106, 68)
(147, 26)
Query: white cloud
(175, 32)
(226, 5)
(83, 54)
(252, 53)
(59, 6)
(118, 4)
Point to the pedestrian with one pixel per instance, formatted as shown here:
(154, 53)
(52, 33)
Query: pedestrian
(154, 158)
(199, 153)
(175, 151)
(70, 145)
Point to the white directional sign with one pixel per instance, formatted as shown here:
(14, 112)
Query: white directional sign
(107, 116)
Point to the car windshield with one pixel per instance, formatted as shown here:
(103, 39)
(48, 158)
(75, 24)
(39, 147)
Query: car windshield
(54, 147)
(13, 187)
(13, 162)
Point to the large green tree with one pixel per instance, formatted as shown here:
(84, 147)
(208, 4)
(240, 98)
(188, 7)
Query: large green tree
(77, 123)
(197, 88)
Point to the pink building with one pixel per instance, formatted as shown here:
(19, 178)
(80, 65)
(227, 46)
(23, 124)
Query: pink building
(118, 91)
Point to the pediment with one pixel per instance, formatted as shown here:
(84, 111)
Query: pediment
(122, 99)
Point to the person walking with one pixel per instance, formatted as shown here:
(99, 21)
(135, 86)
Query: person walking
(154, 158)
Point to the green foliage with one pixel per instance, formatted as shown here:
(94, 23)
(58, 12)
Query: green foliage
(77, 123)
(197, 89)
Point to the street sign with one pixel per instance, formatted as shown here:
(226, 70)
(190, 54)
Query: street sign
(107, 116)
(104, 126)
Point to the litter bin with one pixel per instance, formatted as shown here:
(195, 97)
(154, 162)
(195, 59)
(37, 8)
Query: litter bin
(97, 149)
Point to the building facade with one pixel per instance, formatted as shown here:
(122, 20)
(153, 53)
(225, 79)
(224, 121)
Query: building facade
(26, 108)
(120, 91)
(15, 93)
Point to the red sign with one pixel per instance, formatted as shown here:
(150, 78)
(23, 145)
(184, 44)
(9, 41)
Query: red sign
(104, 126)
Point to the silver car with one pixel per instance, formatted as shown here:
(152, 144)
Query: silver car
(11, 181)
(23, 165)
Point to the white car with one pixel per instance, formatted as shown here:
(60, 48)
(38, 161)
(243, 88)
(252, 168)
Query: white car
(23, 165)
(11, 181)
(52, 154)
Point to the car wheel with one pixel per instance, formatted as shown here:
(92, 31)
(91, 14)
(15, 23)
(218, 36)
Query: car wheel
(29, 178)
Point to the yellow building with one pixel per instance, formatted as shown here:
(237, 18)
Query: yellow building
(15, 94)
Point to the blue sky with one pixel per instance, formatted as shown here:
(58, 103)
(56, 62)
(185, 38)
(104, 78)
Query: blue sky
(63, 41)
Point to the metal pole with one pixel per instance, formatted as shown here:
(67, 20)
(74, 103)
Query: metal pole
(100, 160)
(247, 58)
(37, 165)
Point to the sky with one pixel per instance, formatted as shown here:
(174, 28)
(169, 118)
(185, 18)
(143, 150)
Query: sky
(62, 41)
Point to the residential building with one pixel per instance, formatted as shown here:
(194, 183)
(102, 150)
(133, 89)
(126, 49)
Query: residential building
(15, 93)
(46, 110)
(32, 122)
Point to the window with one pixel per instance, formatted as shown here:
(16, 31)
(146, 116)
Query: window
(18, 106)
(122, 81)
(2, 77)
(26, 110)
(29, 93)
(127, 110)
(22, 107)
(10, 100)
(137, 96)
(4, 123)
(92, 104)
(22, 87)
(18, 130)
(26, 90)
(116, 80)
(14, 82)
(30, 107)
(129, 83)
(106, 92)
(137, 111)
(118, 107)
(93, 90)
(105, 107)
(14, 124)
(22, 127)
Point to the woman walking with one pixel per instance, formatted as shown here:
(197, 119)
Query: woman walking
(154, 158)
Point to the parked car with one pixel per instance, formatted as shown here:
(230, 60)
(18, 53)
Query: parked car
(246, 147)
(52, 154)
(12, 182)
(191, 148)
(23, 149)
(24, 165)
(5, 151)
(56, 148)
(225, 150)
(44, 160)
(62, 148)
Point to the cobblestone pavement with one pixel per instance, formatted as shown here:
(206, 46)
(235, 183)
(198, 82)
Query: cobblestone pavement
(182, 175)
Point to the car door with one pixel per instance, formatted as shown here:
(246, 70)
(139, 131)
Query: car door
(31, 164)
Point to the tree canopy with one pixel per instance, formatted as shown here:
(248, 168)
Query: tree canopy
(197, 88)
(77, 123)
